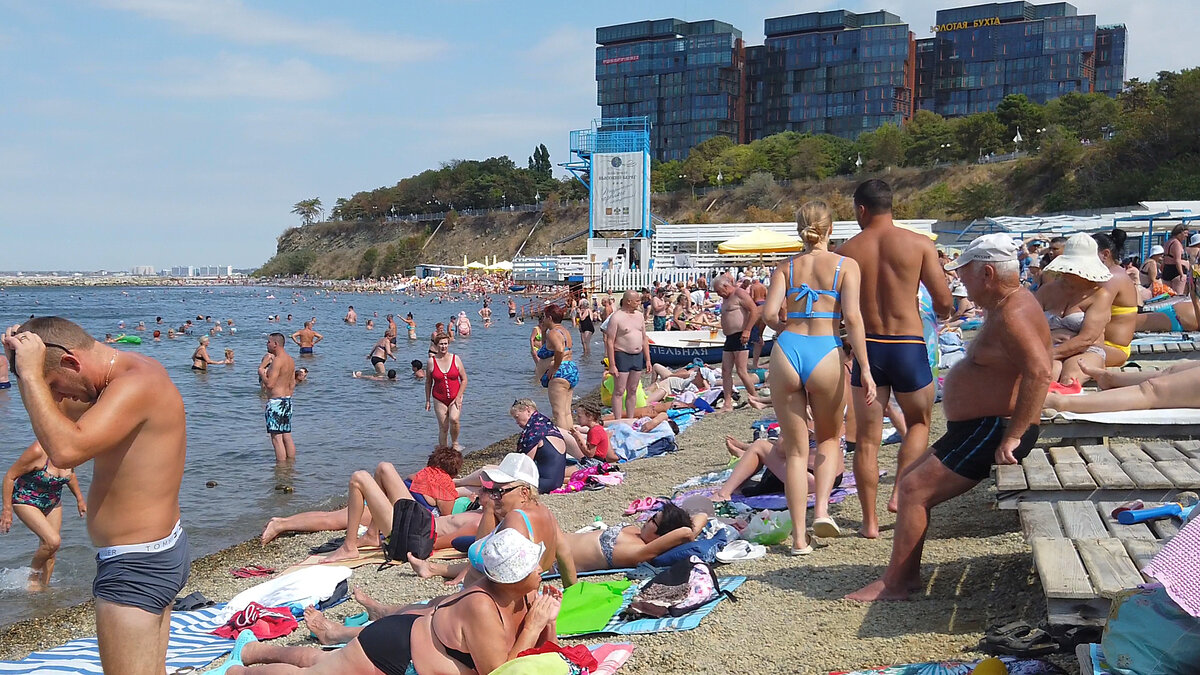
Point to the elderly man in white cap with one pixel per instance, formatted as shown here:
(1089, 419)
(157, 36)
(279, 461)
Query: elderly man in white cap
(1078, 306)
(996, 424)
(510, 501)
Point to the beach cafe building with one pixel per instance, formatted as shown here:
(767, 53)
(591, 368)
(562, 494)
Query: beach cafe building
(1149, 225)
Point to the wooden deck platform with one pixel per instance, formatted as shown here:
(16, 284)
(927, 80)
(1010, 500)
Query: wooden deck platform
(1084, 557)
(1157, 351)
(1152, 471)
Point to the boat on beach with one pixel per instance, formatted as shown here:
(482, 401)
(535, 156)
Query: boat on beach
(677, 348)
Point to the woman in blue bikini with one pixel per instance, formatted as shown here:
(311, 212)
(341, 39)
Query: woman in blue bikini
(558, 372)
(33, 490)
(820, 291)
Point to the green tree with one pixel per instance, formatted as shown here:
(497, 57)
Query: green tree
(811, 159)
(308, 209)
(539, 163)
(1085, 116)
(931, 139)
(978, 135)
(1017, 112)
(666, 176)
(979, 201)
(699, 165)
(366, 266)
(759, 190)
(883, 147)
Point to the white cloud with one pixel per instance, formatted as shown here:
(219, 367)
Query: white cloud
(234, 21)
(242, 77)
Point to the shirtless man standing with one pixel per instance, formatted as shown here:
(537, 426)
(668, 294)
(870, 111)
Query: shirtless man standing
(351, 315)
(738, 316)
(758, 293)
(279, 381)
(307, 338)
(894, 263)
(135, 433)
(985, 425)
(628, 349)
(659, 307)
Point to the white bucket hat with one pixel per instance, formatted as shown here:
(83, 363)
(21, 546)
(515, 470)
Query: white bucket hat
(1157, 249)
(506, 557)
(1081, 257)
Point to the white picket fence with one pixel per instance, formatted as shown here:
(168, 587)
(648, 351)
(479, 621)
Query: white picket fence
(613, 281)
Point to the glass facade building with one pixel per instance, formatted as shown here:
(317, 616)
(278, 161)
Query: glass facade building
(844, 73)
(686, 77)
(982, 53)
(831, 72)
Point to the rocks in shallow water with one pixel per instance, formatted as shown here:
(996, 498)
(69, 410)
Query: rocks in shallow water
(280, 487)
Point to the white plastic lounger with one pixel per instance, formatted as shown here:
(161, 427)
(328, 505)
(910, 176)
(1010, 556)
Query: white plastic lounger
(1176, 423)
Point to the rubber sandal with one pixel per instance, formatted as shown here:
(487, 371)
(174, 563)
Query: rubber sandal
(250, 571)
(808, 549)
(826, 528)
(1073, 388)
(331, 545)
(235, 658)
(1019, 639)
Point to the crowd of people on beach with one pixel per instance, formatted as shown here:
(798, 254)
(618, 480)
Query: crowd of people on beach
(850, 349)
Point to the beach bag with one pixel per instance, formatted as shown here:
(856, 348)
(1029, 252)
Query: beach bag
(412, 532)
(677, 590)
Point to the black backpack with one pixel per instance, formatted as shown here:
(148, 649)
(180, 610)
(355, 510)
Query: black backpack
(412, 532)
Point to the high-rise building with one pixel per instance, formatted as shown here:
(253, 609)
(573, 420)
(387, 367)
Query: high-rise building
(1110, 59)
(686, 77)
(982, 53)
(831, 72)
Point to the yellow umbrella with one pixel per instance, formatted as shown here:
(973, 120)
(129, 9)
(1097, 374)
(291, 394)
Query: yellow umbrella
(760, 241)
(910, 228)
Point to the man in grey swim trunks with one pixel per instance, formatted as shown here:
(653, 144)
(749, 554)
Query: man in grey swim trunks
(135, 434)
(628, 349)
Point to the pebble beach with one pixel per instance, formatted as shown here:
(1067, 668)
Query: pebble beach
(789, 616)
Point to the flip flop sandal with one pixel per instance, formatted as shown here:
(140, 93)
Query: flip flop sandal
(250, 571)
(331, 545)
(826, 528)
(191, 603)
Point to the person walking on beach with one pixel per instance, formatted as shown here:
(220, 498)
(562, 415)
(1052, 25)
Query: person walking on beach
(893, 262)
(445, 386)
(279, 381)
(819, 290)
(307, 338)
(628, 349)
(33, 490)
(738, 316)
(985, 425)
(135, 433)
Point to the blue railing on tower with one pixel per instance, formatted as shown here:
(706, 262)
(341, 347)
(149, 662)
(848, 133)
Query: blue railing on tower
(618, 134)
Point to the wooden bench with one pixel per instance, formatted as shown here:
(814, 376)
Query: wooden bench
(1161, 351)
(1084, 557)
(1120, 472)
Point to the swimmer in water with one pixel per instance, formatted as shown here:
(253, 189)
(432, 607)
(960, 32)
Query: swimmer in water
(390, 376)
(200, 357)
(171, 333)
(307, 338)
(158, 336)
(380, 353)
(229, 357)
(109, 339)
(370, 324)
(486, 314)
(418, 369)
(33, 490)
(301, 374)
(351, 315)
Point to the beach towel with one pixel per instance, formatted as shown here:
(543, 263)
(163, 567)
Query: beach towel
(297, 590)
(588, 606)
(611, 656)
(619, 626)
(1175, 567)
(629, 444)
(1016, 666)
(370, 555)
(265, 622)
(1160, 416)
(191, 644)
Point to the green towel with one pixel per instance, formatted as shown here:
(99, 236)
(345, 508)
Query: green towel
(587, 607)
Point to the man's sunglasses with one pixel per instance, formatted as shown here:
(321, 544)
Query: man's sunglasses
(497, 493)
(12, 356)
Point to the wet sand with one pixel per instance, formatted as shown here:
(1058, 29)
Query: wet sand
(790, 616)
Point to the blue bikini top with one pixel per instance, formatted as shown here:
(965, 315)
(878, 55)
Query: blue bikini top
(809, 295)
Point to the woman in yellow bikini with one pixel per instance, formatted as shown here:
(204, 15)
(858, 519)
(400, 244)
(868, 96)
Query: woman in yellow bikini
(1123, 319)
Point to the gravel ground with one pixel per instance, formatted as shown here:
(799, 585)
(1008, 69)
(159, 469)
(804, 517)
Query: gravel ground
(790, 616)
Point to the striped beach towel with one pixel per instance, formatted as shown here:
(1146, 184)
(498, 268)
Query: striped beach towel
(191, 644)
(619, 626)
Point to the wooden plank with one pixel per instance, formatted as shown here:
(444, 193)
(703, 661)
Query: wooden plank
(1010, 477)
(1092, 612)
(1145, 476)
(1038, 472)
(1161, 451)
(1194, 463)
(1074, 476)
(1061, 570)
(1064, 454)
(1189, 448)
(1158, 348)
(1097, 453)
(1109, 567)
(1180, 473)
(1135, 531)
(1038, 519)
(1079, 520)
(1141, 550)
(1128, 452)
(1110, 476)
(1172, 347)
(1164, 528)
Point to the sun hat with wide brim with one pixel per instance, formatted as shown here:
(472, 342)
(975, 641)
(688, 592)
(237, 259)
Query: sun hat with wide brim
(1080, 257)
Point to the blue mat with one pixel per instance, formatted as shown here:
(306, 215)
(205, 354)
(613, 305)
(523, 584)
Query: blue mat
(191, 644)
(692, 619)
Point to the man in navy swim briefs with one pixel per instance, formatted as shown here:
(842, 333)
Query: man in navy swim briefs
(894, 263)
(132, 429)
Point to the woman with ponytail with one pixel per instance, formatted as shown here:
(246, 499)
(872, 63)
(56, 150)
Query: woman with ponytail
(1123, 320)
(820, 292)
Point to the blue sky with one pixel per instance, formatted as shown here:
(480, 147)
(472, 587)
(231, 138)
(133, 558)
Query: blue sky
(164, 132)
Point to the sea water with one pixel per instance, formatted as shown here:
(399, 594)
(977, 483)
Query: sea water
(340, 424)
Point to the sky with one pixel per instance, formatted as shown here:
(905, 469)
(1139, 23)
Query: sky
(181, 132)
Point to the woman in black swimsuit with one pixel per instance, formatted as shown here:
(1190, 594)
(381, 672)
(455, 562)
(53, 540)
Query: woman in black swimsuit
(200, 359)
(506, 608)
(587, 326)
(380, 353)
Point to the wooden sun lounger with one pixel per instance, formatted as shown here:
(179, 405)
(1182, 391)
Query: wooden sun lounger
(1151, 471)
(1158, 351)
(1084, 557)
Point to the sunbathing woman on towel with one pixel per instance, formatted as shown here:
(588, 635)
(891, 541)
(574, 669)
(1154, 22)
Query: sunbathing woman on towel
(760, 453)
(1175, 387)
(475, 630)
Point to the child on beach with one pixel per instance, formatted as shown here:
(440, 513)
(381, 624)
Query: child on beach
(433, 486)
(591, 434)
(33, 490)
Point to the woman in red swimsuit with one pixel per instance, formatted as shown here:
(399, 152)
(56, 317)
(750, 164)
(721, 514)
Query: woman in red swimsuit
(445, 384)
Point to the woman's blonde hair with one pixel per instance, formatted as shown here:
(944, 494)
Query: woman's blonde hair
(814, 222)
(522, 404)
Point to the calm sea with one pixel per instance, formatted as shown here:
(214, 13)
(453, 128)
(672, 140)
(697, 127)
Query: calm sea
(340, 423)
